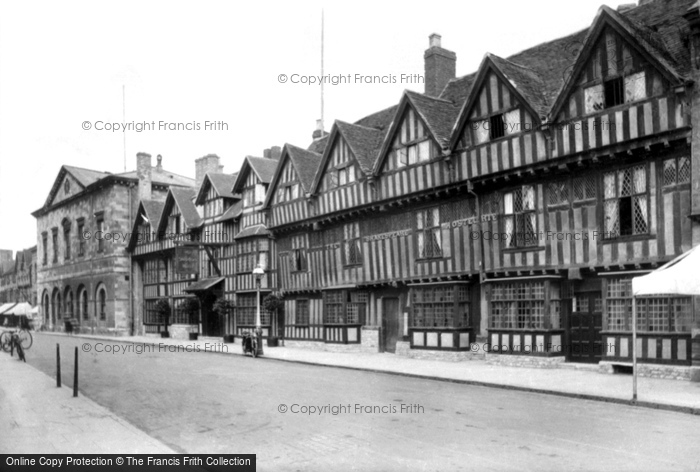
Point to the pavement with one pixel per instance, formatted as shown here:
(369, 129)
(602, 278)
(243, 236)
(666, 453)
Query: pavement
(675, 395)
(35, 416)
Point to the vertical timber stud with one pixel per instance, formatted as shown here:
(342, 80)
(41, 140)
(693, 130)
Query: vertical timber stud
(58, 365)
(75, 374)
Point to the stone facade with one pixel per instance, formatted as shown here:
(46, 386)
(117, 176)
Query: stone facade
(83, 269)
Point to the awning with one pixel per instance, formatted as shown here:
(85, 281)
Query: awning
(678, 277)
(23, 308)
(257, 230)
(204, 284)
(6, 307)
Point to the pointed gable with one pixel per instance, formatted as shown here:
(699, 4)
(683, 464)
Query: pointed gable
(254, 178)
(294, 175)
(78, 179)
(505, 99)
(620, 61)
(220, 184)
(349, 156)
(147, 220)
(421, 129)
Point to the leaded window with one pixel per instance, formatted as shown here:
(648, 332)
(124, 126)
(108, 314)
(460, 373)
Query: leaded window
(626, 207)
(558, 193)
(676, 171)
(445, 306)
(428, 234)
(519, 217)
(302, 312)
(352, 251)
(654, 314)
(584, 188)
(247, 309)
(521, 305)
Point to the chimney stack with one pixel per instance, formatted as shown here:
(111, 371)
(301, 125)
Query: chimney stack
(143, 172)
(203, 165)
(267, 153)
(318, 133)
(440, 66)
(159, 163)
(275, 153)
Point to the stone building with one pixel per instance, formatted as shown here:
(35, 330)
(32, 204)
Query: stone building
(83, 268)
(18, 277)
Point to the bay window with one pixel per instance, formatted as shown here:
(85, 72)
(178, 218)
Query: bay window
(440, 306)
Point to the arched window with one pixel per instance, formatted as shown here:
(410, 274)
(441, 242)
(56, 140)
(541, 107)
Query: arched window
(45, 306)
(56, 308)
(68, 297)
(101, 299)
(82, 303)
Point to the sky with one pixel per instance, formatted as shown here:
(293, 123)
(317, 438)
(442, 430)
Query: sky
(70, 70)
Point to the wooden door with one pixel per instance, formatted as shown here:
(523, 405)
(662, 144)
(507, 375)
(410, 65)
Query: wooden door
(585, 324)
(390, 323)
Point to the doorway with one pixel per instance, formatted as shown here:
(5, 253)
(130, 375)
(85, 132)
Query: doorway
(211, 324)
(585, 325)
(390, 323)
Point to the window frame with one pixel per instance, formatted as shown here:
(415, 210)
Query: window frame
(519, 238)
(610, 235)
(420, 222)
(352, 244)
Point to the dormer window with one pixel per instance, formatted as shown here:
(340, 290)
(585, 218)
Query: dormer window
(614, 90)
(497, 128)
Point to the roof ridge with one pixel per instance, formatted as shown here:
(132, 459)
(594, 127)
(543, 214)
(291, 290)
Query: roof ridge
(422, 95)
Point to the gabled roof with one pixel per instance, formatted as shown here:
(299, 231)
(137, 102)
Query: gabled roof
(183, 198)
(523, 82)
(305, 165)
(233, 212)
(363, 141)
(380, 120)
(659, 23)
(437, 114)
(263, 167)
(647, 41)
(257, 230)
(222, 183)
(87, 179)
(148, 210)
(319, 145)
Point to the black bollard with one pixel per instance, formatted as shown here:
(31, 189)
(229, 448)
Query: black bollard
(58, 365)
(75, 374)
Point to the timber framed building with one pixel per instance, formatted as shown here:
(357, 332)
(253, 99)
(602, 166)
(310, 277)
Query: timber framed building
(510, 206)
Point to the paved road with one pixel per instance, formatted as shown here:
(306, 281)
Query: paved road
(214, 403)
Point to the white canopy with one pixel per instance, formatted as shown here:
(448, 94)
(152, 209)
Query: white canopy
(22, 308)
(681, 276)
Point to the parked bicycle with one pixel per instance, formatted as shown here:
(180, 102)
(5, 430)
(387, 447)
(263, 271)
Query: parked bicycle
(15, 340)
(23, 334)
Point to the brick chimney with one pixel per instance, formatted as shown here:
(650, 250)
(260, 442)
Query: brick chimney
(159, 163)
(318, 132)
(208, 163)
(440, 66)
(143, 172)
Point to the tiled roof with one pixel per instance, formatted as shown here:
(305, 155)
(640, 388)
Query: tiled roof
(257, 230)
(162, 177)
(658, 23)
(439, 115)
(154, 210)
(305, 164)
(223, 183)
(526, 81)
(183, 199)
(263, 167)
(234, 211)
(86, 176)
(380, 120)
(319, 145)
(364, 143)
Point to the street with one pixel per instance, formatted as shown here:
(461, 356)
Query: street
(199, 402)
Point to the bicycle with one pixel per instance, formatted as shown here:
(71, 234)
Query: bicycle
(11, 341)
(25, 339)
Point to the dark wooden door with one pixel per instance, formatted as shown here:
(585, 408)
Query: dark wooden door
(585, 324)
(210, 319)
(390, 323)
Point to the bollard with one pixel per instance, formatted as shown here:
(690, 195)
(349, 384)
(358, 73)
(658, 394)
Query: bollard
(58, 365)
(75, 374)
